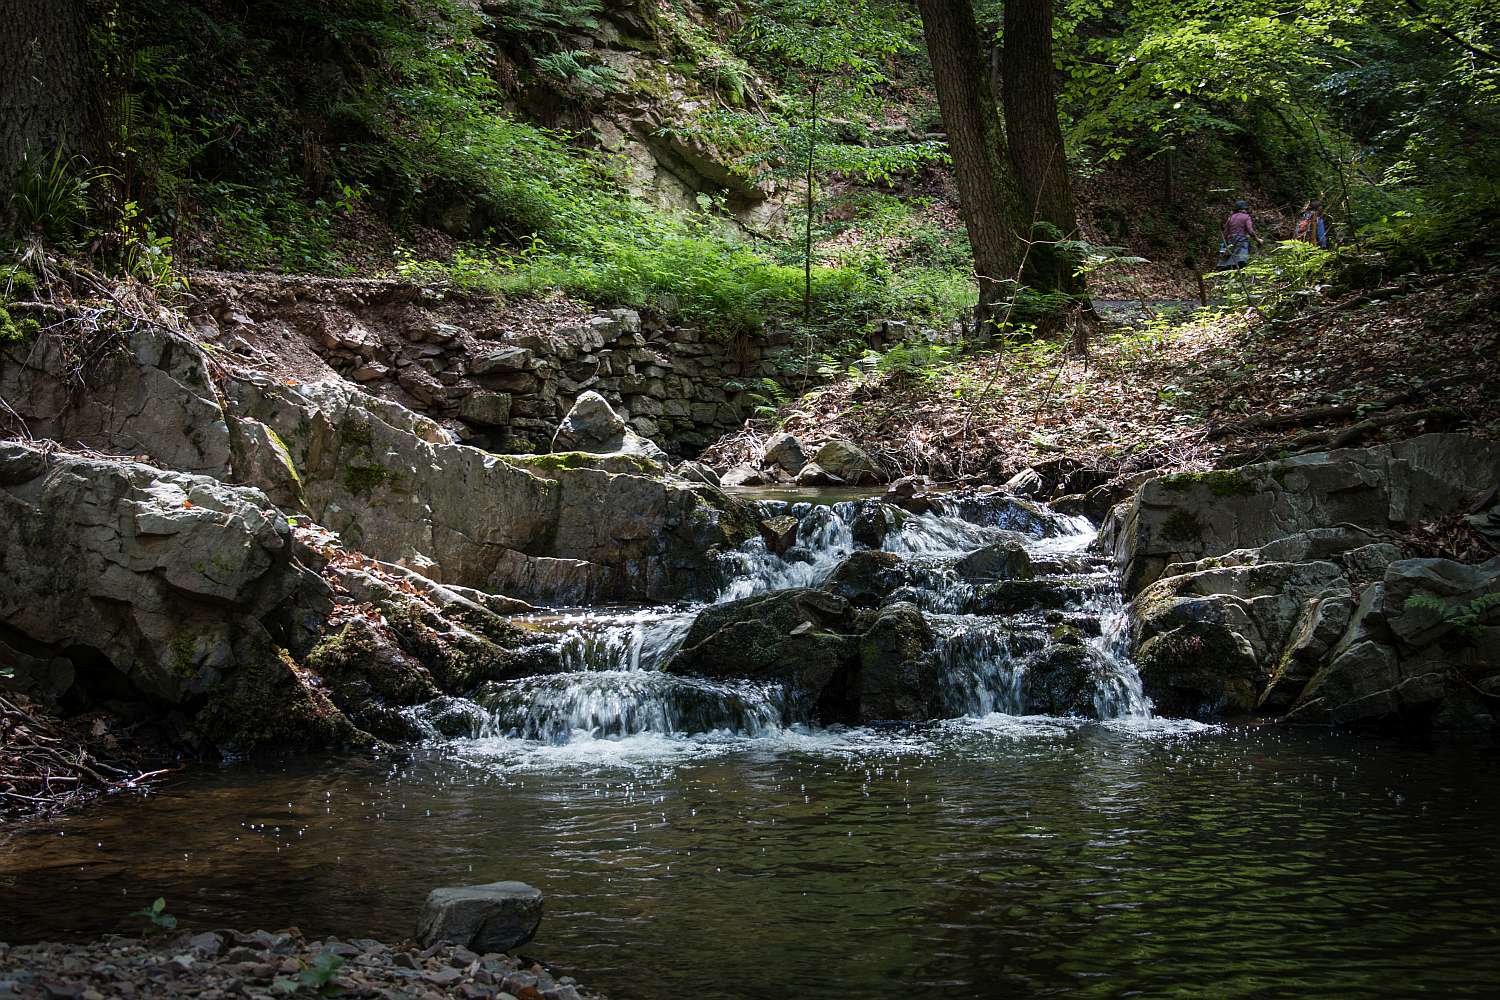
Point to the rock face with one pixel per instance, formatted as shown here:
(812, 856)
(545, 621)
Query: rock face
(483, 918)
(129, 584)
(121, 578)
(392, 483)
(1301, 602)
(1182, 518)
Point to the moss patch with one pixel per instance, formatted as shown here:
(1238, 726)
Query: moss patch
(363, 480)
(1219, 482)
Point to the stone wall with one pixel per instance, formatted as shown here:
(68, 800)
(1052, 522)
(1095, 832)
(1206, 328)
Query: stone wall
(497, 377)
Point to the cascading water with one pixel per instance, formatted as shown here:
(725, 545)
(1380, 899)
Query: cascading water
(612, 684)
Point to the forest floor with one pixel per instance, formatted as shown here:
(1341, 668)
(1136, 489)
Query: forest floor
(1178, 388)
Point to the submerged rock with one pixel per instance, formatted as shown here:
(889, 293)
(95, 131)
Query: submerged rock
(495, 917)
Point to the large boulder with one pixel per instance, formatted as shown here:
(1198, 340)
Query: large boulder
(496, 917)
(803, 640)
(847, 462)
(1422, 650)
(784, 452)
(592, 425)
(868, 577)
(131, 583)
(1208, 639)
(1183, 518)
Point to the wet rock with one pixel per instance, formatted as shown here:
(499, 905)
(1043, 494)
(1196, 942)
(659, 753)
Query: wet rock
(868, 577)
(784, 451)
(1062, 680)
(498, 916)
(1007, 560)
(899, 677)
(847, 462)
(802, 639)
(873, 522)
(1009, 597)
(911, 494)
(813, 474)
(779, 533)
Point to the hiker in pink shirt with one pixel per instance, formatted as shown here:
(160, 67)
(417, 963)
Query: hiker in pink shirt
(1239, 230)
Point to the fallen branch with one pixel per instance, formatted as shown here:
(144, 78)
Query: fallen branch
(1319, 414)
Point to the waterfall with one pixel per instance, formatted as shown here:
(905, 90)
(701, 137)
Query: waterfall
(612, 686)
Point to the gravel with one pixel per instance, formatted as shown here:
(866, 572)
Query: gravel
(221, 964)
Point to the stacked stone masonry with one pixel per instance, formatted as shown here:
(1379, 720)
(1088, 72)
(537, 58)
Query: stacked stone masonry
(496, 384)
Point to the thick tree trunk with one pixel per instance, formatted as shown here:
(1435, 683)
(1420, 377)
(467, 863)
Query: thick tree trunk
(48, 100)
(1036, 140)
(987, 192)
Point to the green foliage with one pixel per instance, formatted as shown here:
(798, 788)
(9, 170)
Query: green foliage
(318, 976)
(157, 914)
(1467, 618)
(50, 196)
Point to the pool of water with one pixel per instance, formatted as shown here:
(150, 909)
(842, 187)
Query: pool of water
(982, 857)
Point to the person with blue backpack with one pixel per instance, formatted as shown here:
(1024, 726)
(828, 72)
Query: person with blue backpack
(1312, 226)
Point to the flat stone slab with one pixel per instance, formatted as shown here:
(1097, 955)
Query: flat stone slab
(495, 917)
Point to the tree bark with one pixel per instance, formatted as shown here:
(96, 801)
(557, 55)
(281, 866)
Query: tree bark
(48, 99)
(988, 196)
(1036, 141)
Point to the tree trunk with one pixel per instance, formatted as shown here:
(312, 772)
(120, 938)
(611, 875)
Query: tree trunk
(1036, 141)
(987, 191)
(47, 95)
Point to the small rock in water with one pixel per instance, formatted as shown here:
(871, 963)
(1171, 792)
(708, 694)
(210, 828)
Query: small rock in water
(494, 917)
(780, 533)
(1026, 483)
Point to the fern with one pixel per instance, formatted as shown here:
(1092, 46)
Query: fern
(1465, 618)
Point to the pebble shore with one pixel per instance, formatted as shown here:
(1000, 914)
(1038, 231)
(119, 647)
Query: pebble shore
(225, 964)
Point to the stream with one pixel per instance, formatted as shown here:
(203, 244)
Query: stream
(702, 839)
